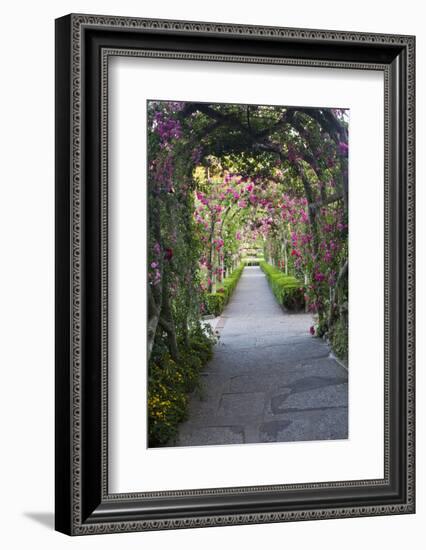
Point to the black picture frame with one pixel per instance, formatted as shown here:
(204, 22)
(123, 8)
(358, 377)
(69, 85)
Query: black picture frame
(83, 504)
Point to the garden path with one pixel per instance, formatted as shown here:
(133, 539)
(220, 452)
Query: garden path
(269, 379)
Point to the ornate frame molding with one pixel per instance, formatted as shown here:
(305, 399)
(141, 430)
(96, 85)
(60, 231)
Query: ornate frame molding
(72, 45)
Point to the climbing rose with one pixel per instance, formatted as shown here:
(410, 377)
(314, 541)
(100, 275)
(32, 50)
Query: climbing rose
(343, 148)
(327, 257)
(168, 254)
(319, 277)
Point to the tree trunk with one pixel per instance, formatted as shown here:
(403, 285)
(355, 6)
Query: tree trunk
(311, 210)
(185, 330)
(344, 181)
(285, 252)
(153, 319)
(334, 301)
(211, 259)
(155, 294)
(167, 322)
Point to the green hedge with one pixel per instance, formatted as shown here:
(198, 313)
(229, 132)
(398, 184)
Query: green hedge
(215, 302)
(288, 291)
(169, 383)
(252, 261)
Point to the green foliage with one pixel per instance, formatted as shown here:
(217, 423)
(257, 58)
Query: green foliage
(229, 283)
(169, 383)
(215, 302)
(339, 340)
(167, 400)
(202, 340)
(288, 291)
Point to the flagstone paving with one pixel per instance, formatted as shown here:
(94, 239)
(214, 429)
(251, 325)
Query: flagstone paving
(269, 379)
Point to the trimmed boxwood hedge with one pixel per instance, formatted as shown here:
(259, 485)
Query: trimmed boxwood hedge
(288, 291)
(252, 261)
(215, 302)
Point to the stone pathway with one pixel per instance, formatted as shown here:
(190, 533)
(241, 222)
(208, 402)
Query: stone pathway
(269, 379)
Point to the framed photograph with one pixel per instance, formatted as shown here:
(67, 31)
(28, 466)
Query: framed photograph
(234, 274)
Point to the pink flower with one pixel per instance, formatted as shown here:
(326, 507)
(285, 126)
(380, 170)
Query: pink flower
(219, 243)
(343, 148)
(312, 330)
